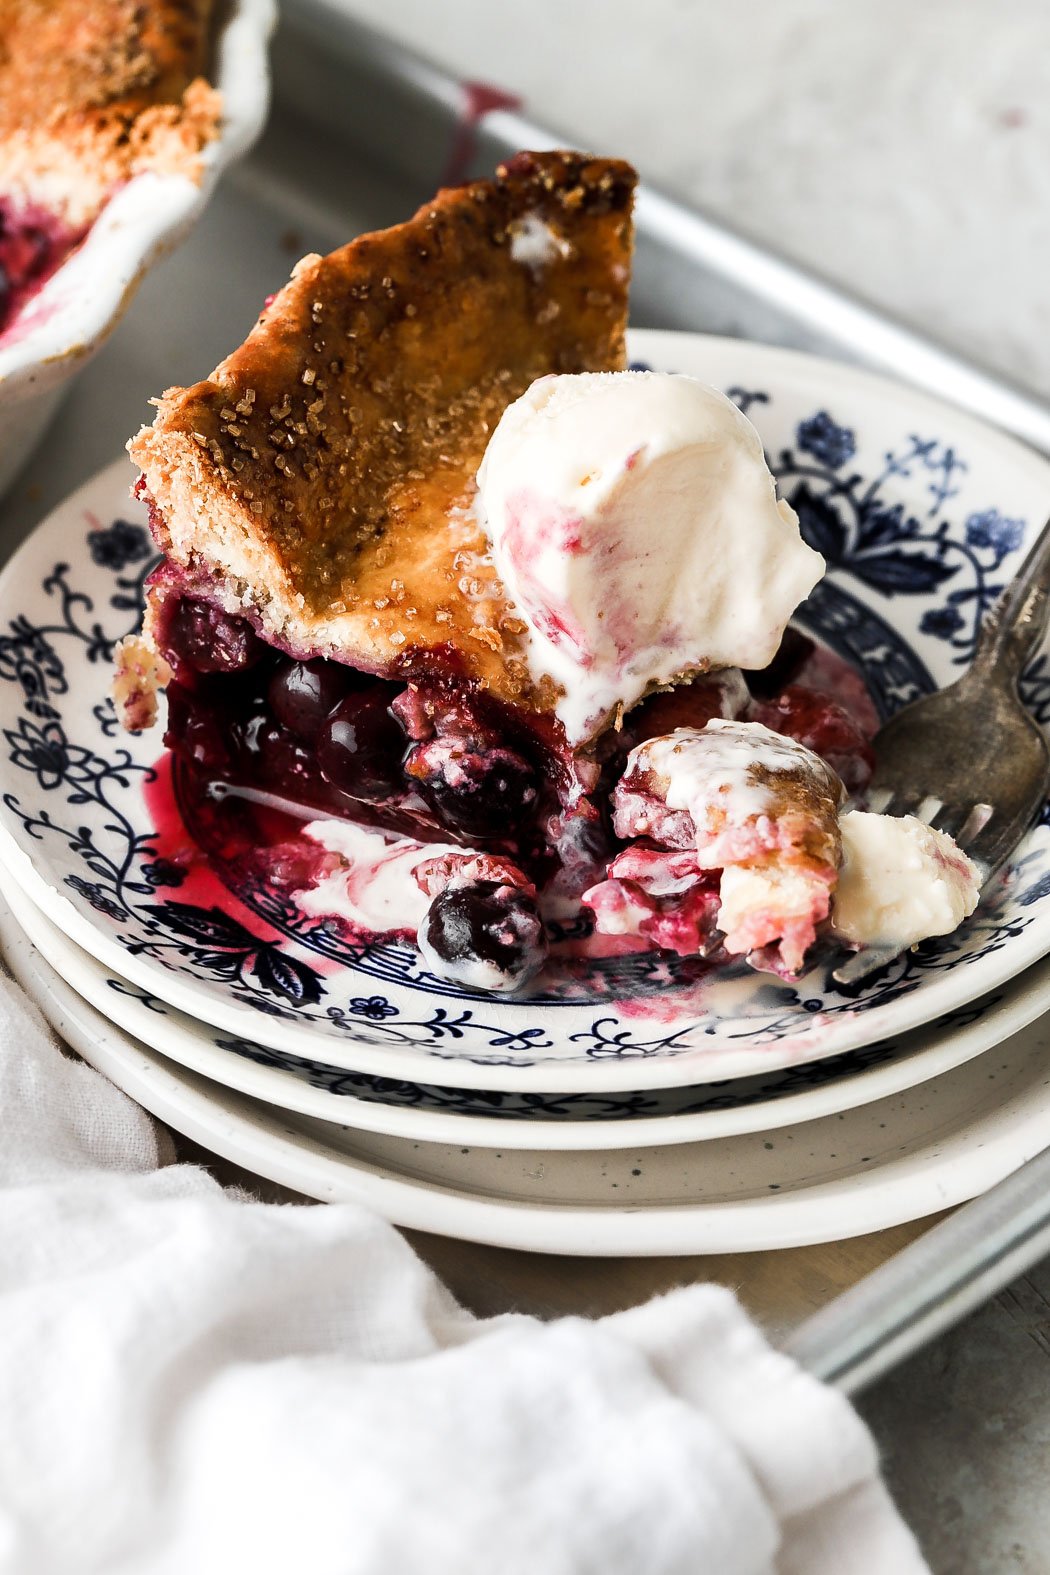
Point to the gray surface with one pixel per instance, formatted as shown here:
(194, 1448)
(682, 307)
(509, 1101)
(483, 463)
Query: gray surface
(964, 1431)
(394, 110)
(965, 1426)
(900, 148)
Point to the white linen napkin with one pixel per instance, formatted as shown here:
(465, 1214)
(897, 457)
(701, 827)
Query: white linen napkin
(193, 1382)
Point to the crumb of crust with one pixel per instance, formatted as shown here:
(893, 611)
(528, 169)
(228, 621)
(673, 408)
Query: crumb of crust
(140, 672)
(170, 138)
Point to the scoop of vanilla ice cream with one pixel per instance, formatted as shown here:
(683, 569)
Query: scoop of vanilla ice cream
(900, 881)
(635, 525)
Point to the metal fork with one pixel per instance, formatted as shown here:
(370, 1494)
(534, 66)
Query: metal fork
(970, 759)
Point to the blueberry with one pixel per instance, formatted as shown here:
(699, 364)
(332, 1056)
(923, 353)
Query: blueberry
(301, 694)
(208, 640)
(283, 761)
(481, 793)
(360, 745)
(485, 935)
(197, 733)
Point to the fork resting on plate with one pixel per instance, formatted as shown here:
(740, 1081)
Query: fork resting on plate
(970, 760)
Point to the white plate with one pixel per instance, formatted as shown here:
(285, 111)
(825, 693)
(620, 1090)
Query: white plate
(480, 1118)
(922, 513)
(844, 1176)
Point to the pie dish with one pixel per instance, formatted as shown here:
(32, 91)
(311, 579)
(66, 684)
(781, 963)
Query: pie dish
(116, 121)
(90, 96)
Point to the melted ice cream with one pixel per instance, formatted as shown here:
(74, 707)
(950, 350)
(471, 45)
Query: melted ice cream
(900, 882)
(635, 525)
(374, 887)
(730, 763)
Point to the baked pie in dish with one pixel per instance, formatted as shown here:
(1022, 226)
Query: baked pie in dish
(470, 633)
(92, 93)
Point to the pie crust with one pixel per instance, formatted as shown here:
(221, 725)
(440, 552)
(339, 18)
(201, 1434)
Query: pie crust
(319, 483)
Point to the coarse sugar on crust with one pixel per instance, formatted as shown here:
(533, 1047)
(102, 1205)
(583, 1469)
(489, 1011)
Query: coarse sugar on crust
(93, 92)
(321, 479)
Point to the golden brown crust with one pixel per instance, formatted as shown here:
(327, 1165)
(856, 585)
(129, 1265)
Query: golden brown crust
(94, 91)
(325, 470)
(804, 802)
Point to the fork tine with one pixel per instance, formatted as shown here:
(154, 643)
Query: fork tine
(861, 965)
(951, 818)
(880, 799)
(978, 818)
(899, 801)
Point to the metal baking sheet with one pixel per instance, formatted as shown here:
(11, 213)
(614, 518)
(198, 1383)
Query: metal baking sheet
(418, 125)
(390, 127)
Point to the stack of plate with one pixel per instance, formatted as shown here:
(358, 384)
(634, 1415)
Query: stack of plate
(638, 1109)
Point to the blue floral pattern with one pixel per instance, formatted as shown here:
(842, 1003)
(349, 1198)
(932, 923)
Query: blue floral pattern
(916, 551)
(830, 445)
(535, 1105)
(119, 545)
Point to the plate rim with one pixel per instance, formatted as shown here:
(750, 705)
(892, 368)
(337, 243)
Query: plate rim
(238, 1130)
(953, 1046)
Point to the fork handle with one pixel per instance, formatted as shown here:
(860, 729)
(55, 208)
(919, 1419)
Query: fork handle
(1015, 625)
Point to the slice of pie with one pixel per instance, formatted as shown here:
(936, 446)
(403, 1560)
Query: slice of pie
(327, 611)
(739, 847)
(339, 645)
(92, 92)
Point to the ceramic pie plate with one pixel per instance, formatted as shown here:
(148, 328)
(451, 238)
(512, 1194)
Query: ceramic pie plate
(481, 1118)
(921, 512)
(865, 1170)
(72, 315)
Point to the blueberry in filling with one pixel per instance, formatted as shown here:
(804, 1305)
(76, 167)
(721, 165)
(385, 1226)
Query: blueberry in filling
(207, 640)
(323, 735)
(485, 935)
(303, 694)
(360, 745)
(480, 790)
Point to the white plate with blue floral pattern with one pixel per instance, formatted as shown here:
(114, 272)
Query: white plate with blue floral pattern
(922, 514)
(859, 1171)
(484, 1118)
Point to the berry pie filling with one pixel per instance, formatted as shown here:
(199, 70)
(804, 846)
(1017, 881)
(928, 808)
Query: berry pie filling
(33, 245)
(740, 830)
(416, 756)
(528, 671)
